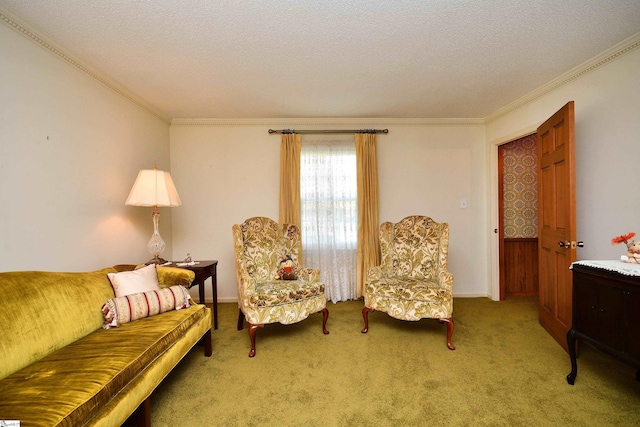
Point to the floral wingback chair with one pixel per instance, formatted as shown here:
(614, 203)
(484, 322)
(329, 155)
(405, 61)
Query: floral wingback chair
(412, 282)
(272, 286)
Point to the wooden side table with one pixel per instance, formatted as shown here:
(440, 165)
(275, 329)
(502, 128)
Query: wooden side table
(204, 270)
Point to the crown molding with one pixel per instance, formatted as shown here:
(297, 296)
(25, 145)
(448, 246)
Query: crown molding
(328, 121)
(592, 64)
(20, 26)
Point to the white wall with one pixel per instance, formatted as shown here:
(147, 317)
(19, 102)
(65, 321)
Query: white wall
(70, 152)
(607, 116)
(227, 173)
(429, 170)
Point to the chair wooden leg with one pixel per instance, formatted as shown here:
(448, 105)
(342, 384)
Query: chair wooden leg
(325, 316)
(449, 323)
(252, 335)
(365, 315)
(240, 319)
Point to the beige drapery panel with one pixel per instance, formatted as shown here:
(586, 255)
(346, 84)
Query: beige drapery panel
(368, 212)
(290, 179)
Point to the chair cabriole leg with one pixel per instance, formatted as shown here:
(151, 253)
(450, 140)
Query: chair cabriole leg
(365, 315)
(449, 322)
(325, 316)
(252, 335)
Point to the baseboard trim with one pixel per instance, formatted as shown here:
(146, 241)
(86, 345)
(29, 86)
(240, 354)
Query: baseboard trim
(470, 295)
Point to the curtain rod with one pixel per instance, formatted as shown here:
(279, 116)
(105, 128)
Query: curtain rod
(288, 131)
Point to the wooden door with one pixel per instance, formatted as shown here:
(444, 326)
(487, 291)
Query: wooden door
(556, 221)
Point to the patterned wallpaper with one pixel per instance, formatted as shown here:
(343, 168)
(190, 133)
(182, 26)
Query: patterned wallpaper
(520, 188)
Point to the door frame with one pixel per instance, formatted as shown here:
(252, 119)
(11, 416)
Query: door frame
(494, 214)
(500, 200)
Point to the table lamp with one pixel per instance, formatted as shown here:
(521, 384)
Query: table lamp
(154, 188)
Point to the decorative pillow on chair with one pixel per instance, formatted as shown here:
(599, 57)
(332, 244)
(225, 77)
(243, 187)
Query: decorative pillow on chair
(287, 269)
(128, 308)
(134, 282)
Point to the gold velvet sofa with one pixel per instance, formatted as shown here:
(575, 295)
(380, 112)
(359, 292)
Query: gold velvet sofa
(60, 367)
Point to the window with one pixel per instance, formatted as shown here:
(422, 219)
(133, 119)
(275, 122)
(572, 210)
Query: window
(329, 211)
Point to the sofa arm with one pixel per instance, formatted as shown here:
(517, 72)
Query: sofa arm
(171, 276)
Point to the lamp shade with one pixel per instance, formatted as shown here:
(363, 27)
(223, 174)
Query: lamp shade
(153, 188)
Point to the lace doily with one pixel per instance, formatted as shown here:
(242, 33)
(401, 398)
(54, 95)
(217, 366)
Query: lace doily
(612, 265)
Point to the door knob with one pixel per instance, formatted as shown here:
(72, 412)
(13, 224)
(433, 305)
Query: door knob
(573, 244)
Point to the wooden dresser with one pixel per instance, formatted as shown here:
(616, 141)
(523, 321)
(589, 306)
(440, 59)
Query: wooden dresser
(606, 311)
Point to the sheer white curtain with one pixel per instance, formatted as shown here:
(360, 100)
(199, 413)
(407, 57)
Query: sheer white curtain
(329, 211)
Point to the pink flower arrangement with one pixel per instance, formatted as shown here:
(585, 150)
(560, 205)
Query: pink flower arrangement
(623, 239)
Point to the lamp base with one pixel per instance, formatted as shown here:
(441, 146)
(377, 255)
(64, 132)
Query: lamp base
(156, 260)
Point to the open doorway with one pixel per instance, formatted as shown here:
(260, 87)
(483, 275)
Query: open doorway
(518, 217)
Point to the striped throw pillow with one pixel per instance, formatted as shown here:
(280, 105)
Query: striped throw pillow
(128, 308)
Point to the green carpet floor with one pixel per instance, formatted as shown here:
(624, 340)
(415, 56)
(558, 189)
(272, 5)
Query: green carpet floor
(506, 371)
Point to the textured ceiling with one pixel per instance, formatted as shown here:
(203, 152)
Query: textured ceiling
(331, 58)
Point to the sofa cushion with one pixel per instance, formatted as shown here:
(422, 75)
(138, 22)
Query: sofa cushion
(84, 376)
(277, 292)
(133, 282)
(117, 311)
